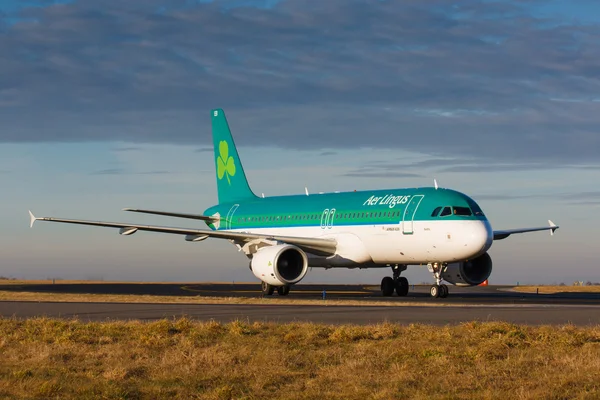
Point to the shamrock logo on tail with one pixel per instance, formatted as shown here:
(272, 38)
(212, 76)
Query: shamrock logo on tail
(225, 163)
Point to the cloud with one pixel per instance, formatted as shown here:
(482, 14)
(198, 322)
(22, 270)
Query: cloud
(109, 171)
(157, 172)
(373, 174)
(328, 153)
(587, 203)
(476, 78)
(577, 198)
(582, 196)
(472, 165)
(505, 197)
(127, 148)
(121, 171)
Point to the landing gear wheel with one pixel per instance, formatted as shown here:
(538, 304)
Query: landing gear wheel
(387, 286)
(402, 286)
(267, 289)
(443, 291)
(435, 291)
(283, 290)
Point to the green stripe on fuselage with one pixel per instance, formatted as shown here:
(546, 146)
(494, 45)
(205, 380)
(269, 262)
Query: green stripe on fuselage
(351, 208)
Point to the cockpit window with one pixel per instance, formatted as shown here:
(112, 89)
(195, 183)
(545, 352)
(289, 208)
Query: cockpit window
(445, 211)
(436, 212)
(475, 208)
(463, 211)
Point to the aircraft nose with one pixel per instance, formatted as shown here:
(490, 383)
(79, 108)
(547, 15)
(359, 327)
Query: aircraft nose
(481, 236)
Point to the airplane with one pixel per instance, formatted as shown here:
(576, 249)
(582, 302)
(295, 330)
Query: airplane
(285, 235)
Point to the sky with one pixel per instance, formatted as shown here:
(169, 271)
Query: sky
(106, 105)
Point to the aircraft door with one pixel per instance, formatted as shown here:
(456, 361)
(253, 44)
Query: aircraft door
(330, 219)
(409, 214)
(324, 218)
(327, 218)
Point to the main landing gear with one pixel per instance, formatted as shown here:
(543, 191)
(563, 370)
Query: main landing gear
(397, 283)
(439, 289)
(268, 290)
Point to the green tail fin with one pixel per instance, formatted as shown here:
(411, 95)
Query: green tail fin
(232, 184)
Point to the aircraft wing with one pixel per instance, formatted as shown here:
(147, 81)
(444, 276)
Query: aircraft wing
(176, 215)
(499, 235)
(316, 246)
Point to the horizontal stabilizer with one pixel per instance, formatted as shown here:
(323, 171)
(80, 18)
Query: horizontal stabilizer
(173, 214)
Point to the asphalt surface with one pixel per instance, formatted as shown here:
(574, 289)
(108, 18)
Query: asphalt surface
(527, 314)
(492, 303)
(417, 294)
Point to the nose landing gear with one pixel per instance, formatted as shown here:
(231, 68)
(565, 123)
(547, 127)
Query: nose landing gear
(397, 283)
(439, 289)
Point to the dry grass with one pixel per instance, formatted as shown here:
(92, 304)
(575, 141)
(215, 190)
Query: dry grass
(181, 359)
(557, 289)
(117, 298)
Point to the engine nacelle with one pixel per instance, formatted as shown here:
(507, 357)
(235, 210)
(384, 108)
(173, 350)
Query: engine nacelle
(279, 265)
(469, 273)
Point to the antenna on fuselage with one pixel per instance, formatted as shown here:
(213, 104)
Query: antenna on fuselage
(435, 184)
(306, 190)
(263, 195)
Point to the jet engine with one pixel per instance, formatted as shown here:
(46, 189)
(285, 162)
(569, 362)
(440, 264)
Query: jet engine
(279, 265)
(470, 272)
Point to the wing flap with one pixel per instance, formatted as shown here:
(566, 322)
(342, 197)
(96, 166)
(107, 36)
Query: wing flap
(503, 234)
(317, 246)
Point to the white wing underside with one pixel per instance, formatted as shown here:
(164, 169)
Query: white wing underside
(317, 246)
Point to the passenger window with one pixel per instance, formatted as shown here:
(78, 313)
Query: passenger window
(446, 211)
(436, 212)
(462, 211)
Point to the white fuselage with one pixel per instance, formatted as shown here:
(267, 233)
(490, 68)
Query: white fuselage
(379, 245)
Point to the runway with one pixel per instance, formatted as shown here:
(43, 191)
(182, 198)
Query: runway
(417, 294)
(529, 314)
(492, 303)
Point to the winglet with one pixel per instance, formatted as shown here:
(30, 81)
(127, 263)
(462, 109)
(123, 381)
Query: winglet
(32, 219)
(553, 226)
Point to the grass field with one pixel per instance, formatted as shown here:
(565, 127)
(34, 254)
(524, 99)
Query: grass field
(45, 359)
(22, 294)
(6, 295)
